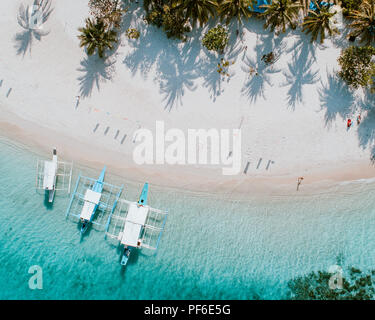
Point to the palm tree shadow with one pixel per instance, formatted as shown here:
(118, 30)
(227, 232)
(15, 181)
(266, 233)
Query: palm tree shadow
(212, 79)
(299, 73)
(31, 19)
(255, 85)
(366, 130)
(336, 99)
(341, 40)
(366, 133)
(95, 70)
(176, 72)
(304, 48)
(147, 50)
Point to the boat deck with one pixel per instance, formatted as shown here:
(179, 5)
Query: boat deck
(130, 223)
(106, 203)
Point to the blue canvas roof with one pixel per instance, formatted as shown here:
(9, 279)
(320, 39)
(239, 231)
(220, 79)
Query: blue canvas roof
(264, 2)
(260, 3)
(322, 3)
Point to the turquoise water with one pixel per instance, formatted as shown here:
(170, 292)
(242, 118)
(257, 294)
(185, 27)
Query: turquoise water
(211, 248)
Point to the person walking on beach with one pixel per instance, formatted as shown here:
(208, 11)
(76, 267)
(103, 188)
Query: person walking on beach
(349, 123)
(77, 101)
(299, 181)
(359, 119)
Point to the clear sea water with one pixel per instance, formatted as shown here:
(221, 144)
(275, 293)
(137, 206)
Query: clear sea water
(212, 248)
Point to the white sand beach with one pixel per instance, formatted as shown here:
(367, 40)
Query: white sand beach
(292, 115)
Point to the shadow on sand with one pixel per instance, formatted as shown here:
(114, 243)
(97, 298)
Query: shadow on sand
(254, 87)
(336, 98)
(174, 62)
(94, 71)
(366, 130)
(298, 75)
(32, 19)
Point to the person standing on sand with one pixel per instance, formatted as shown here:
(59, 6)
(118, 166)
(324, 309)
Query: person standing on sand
(359, 119)
(349, 123)
(77, 102)
(299, 181)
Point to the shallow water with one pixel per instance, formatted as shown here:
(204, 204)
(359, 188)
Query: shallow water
(211, 248)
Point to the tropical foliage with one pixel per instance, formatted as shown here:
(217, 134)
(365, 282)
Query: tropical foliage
(354, 285)
(229, 9)
(306, 3)
(96, 36)
(318, 23)
(174, 24)
(132, 33)
(110, 11)
(349, 5)
(167, 14)
(281, 14)
(216, 39)
(363, 24)
(178, 17)
(357, 66)
(198, 10)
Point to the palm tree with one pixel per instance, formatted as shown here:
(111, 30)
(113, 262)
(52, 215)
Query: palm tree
(198, 10)
(363, 24)
(97, 36)
(32, 19)
(281, 13)
(306, 3)
(318, 22)
(229, 9)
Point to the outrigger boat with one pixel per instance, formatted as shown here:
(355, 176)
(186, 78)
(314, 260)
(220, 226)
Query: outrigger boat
(89, 197)
(127, 248)
(92, 199)
(135, 230)
(47, 173)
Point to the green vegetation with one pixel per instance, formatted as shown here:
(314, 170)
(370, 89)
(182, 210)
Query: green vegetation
(223, 66)
(216, 39)
(357, 66)
(351, 285)
(363, 24)
(99, 33)
(178, 17)
(229, 9)
(96, 36)
(110, 11)
(350, 5)
(318, 23)
(167, 14)
(269, 58)
(132, 33)
(198, 10)
(281, 14)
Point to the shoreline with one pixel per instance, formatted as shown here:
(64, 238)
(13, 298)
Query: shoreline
(297, 125)
(42, 140)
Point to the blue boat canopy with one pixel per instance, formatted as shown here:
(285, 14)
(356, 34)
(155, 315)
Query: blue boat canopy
(258, 4)
(266, 2)
(321, 3)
